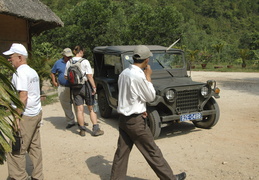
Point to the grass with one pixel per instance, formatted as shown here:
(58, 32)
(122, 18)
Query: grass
(223, 68)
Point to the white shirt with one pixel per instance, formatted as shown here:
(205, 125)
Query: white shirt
(28, 80)
(134, 91)
(85, 66)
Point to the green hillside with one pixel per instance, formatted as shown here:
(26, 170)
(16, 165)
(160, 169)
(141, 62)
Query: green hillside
(216, 31)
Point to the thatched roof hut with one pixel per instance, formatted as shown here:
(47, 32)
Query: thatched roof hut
(22, 19)
(39, 15)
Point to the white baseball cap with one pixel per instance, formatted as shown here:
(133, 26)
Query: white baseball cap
(67, 52)
(17, 48)
(141, 52)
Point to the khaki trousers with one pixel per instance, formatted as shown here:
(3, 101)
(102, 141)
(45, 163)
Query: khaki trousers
(66, 103)
(30, 133)
(133, 130)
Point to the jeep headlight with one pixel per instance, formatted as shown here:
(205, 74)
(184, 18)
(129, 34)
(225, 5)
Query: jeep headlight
(170, 95)
(204, 91)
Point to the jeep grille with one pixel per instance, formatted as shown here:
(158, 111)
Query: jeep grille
(187, 101)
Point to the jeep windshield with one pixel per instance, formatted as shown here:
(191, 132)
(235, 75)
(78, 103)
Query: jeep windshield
(160, 60)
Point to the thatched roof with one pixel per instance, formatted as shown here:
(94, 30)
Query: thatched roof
(38, 14)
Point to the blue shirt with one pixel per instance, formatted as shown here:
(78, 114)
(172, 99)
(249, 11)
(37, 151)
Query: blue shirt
(59, 68)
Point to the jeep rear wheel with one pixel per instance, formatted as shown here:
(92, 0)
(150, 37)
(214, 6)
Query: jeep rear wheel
(104, 108)
(153, 121)
(209, 120)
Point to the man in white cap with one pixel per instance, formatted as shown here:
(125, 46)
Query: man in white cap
(26, 82)
(135, 89)
(63, 86)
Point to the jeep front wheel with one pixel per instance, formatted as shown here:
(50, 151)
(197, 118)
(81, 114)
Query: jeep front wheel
(153, 121)
(209, 120)
(104, 108)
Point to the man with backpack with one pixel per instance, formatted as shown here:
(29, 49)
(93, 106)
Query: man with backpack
(79, 74)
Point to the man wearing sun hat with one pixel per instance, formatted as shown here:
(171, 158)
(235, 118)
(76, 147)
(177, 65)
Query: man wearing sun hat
(135, 89)
(26, 82)
(63, 86)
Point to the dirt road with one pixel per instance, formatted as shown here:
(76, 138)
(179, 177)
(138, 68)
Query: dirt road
(230, 150)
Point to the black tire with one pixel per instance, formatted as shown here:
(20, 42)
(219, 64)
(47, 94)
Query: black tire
(210, 120)
(154, 122)
(104, 108)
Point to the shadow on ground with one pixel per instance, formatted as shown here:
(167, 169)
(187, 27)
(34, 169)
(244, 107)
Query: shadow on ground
(174, 129)
(102, 167)
(178, 129)
(60, 124)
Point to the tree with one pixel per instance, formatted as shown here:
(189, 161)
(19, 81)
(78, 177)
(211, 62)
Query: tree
(8, 96)
(141, 23)
(87, 24)
(154, 25)
(250, 41)
(218, 47)
(245, 55)
(205, 56)
(192, 56)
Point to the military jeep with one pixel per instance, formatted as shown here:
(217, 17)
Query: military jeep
(178, 98)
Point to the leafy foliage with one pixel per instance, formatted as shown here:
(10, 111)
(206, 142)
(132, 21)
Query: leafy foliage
(201, 24)
(43, 58)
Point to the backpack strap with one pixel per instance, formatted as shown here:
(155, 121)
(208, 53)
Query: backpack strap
(80, 60)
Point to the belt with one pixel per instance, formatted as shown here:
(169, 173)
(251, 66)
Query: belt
(132, 115)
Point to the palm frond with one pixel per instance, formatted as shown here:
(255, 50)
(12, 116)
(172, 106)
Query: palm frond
(8, 99)
(6, 64)
(2, 152)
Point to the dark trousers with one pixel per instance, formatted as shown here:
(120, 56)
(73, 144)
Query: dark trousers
(133, 130)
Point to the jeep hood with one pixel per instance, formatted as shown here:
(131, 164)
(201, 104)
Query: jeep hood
(163, 80)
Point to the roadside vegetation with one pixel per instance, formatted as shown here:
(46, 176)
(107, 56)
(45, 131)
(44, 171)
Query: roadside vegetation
(218, 32)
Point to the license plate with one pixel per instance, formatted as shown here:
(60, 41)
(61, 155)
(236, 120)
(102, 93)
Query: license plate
(189, 117)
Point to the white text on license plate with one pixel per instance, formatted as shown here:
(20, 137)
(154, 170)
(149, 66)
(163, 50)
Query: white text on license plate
(189, 117)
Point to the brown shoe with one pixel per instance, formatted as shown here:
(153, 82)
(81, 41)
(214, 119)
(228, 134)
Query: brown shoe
(98, 132)
(82, 132)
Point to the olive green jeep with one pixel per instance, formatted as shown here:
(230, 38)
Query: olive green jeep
(178, 98)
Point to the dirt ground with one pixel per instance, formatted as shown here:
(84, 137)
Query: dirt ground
(230, 150)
